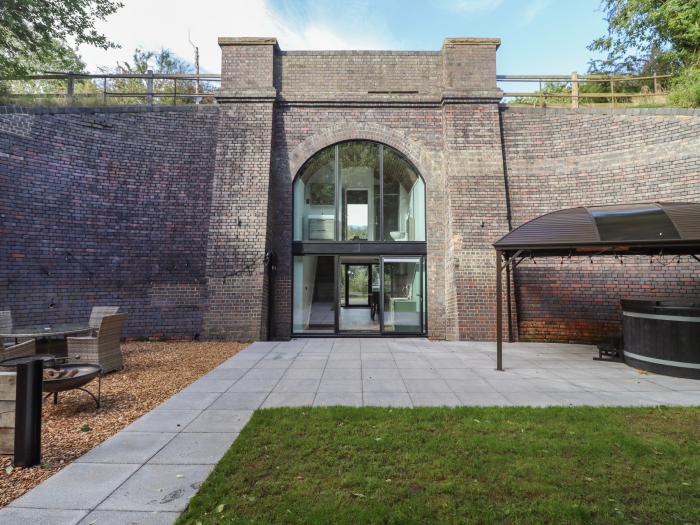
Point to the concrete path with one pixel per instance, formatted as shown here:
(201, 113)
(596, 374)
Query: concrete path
(148, 472)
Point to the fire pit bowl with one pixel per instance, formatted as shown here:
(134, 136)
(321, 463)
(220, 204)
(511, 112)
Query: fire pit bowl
(84, 374)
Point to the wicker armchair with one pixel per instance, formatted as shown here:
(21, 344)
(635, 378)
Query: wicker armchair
(25, 349)
(98, 312)
(102, 349)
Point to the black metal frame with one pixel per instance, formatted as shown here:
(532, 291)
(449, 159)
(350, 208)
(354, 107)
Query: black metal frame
(380, 248)
(509, 257)
(347, 288)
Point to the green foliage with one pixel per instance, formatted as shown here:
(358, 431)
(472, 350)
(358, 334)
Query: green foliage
(685, 89)
(35, 34)
(660, 36)
(467, 465)
(163, 61)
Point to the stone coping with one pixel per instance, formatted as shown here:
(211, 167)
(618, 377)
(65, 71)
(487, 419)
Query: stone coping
(669, 111)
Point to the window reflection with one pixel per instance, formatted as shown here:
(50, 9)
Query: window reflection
(353, 174)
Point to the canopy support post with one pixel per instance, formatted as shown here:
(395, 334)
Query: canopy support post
(509, 304)
(499, 312)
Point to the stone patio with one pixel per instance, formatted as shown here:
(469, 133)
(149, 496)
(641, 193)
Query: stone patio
(147, 472)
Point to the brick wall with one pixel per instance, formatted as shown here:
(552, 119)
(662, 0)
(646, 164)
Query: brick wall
(168, 212)
(238, 223)
(320, 72)
(414, 130)
(106, 206)
(558, 158)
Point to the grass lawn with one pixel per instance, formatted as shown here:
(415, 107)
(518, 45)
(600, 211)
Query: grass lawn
(466, 465)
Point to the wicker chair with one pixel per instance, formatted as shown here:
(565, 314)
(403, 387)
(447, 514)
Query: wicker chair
(98, 312)
(102, 349)
(25, 349)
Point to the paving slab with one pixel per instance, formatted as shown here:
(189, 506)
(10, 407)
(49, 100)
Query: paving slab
(128, 447)
(227, 421)
(351, 399)
(190, 401)
(158, 488)
(210, 385)
(239, 401)
(79, 486)
(386, 399)
(20, 516)
(194, 448)
(115, 517)
(434, 399)
(483, 399)
(289, 399)
(161, 420)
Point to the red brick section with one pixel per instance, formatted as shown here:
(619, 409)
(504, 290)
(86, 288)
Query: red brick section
(563, 158)
(106, 207)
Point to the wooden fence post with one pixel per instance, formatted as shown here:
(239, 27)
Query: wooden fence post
(612, 91)
(574, 90)
(149, 87)
(70, 88)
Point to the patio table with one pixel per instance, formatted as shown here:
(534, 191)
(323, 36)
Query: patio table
(50, 338)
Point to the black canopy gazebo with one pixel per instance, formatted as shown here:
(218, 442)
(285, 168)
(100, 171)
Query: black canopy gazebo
(658, 228)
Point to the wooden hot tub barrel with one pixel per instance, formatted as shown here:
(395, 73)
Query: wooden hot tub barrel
(662, 336)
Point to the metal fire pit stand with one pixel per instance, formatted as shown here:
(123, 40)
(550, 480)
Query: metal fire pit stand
(70, 384)
(28, 413)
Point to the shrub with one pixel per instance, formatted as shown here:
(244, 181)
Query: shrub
(685, 89)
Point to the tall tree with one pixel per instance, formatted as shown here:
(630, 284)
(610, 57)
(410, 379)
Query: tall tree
(648, 36)
(37, 33)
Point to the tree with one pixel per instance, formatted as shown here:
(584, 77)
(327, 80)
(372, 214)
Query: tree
(648, 36)
(163, 62)
(37, 34)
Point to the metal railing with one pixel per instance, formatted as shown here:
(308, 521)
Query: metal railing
(156, 88)
(568, 88)
(108, 88)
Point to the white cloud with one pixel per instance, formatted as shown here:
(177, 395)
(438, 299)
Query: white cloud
(474, 6)
(154, 24)
(533, 10)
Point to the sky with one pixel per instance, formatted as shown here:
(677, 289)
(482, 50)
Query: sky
(537, 36)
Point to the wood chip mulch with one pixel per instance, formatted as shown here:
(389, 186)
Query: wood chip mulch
(153, 372)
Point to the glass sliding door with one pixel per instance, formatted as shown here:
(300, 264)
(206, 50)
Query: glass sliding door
(403, 285)
(358, 303)
(313, 304)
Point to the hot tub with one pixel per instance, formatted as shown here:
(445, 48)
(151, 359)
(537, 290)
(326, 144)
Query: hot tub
(662, 336)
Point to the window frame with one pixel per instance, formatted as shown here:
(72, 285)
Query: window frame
(338, 226)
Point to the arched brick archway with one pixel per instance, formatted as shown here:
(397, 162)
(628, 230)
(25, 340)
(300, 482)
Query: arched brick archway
(312, 145)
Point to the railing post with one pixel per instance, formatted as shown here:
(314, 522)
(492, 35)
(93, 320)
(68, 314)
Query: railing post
(104, 91)
(175, 91)
(574, 90)
(70, 88)
(149, 87)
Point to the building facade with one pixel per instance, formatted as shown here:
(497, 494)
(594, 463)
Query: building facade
(330, 193)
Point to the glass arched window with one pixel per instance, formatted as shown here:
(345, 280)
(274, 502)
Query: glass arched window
(359, 191)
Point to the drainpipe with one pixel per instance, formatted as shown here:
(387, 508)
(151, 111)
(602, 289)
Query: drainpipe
(270, 261)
